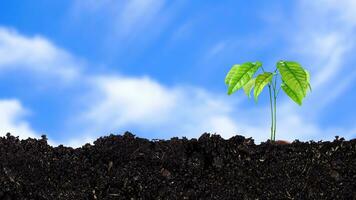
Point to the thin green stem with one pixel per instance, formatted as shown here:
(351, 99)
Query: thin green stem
(275, 116)
(275, 108)
(272, 115)
(279, 89)
(263, 70)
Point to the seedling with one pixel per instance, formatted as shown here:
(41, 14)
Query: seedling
(294, 81)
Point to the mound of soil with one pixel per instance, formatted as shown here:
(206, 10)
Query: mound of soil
(127, 167)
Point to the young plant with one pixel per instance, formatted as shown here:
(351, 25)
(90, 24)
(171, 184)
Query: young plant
(294, 81)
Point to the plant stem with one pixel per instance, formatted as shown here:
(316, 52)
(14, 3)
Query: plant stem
(275, 108)
(275, 116)
(272, 113)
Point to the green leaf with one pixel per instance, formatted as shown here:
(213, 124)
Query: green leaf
(294, 76)
(296, 97)
(230, 74)
(242, 74)
(308, 79)
(261, 81)
(248, 87)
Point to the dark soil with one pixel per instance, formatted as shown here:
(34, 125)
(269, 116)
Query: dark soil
(127, 167)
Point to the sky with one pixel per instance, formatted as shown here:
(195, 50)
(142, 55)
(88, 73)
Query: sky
(76, 70)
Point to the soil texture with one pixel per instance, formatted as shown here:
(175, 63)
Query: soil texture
(130, 168)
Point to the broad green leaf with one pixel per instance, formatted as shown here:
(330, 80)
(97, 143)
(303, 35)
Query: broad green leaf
(261, 81)
(248, 87)
(308, 79)
(296, 97)
(230, 74)
(294, 76)
(242, 75)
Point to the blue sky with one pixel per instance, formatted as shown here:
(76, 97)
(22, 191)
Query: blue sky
(76, 70)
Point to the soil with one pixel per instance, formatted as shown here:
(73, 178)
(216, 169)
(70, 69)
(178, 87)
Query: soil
(128, 167)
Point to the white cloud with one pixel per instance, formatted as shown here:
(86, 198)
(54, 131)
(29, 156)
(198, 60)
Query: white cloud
(35, 55)
(145, 104)
(11, 119)
(126, 100)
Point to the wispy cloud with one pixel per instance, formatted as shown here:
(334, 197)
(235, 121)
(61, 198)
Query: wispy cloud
(124, 19)
(217, 48)
(339, 11)
(324, 38)
(35, 55)
(137, 14)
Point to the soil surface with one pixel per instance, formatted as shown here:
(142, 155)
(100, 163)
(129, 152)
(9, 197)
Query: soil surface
(127, 167)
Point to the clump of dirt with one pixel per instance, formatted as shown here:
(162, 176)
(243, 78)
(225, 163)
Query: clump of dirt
(128, 167)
